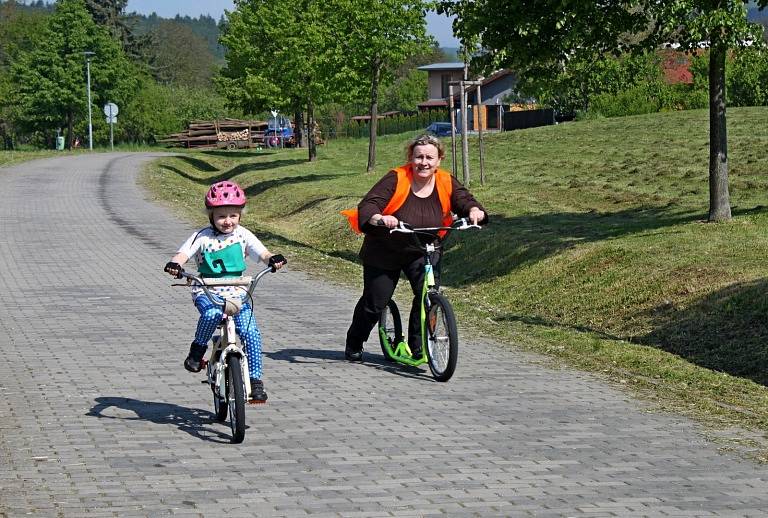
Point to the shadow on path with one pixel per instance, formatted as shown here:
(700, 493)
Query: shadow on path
(375, 361)
(190, 420)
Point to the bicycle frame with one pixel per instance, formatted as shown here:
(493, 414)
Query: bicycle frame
(223, 347)
(225, 344)
(401, 353)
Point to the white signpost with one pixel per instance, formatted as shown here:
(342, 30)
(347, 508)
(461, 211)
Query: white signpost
(278, 137)
(111, 111)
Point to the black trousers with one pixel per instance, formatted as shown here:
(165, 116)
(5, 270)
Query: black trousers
(378, 286)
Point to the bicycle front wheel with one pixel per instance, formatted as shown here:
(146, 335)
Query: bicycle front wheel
(390, 328)
(442, 338)
(220, 406)
(236, 398)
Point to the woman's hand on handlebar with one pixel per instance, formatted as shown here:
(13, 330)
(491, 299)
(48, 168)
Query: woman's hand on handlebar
(476, 215)
(387, 221)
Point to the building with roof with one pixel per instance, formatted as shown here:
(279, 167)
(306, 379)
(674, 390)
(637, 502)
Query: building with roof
(495, 92)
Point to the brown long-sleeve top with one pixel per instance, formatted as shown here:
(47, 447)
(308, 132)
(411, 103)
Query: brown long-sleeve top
(393, 251)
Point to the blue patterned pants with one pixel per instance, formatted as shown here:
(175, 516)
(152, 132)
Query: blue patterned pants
(245, 325)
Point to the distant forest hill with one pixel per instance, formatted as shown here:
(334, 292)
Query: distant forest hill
(204, 26)
(209, 29)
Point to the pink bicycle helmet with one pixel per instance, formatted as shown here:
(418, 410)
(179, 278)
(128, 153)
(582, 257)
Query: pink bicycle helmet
(224, 194)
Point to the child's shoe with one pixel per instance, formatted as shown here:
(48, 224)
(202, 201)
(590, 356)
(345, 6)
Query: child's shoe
(194, 361)
(258, 394)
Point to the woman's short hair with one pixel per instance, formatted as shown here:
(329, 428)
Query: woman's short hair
(423, 140)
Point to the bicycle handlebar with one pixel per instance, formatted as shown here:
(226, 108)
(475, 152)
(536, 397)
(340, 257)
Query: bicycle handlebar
(459, 224)
(226, 281)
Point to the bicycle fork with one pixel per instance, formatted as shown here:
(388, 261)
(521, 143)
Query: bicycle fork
(222, 361)
(429, 286)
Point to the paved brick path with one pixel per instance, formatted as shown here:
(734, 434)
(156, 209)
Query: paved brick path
(98, 418)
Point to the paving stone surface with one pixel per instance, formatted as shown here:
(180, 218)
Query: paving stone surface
(98, 417)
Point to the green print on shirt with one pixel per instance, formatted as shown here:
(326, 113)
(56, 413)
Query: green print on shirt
(227, 262)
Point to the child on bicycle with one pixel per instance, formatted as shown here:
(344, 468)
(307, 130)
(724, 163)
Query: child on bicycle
(220, 251)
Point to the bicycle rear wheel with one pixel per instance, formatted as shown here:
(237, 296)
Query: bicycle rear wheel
(390, 328)
(236, 398)
(442, 338)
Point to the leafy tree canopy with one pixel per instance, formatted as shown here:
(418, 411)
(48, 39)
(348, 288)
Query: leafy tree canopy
(180, 56)
(51, 79)
(279, 52)
(533, 36)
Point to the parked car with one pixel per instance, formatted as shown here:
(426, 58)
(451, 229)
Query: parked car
(439, 129)
(279, 132)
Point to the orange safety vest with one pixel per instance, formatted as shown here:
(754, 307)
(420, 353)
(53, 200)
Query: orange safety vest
(403, 188)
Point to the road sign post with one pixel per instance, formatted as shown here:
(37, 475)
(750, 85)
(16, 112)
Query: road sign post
(111, 111)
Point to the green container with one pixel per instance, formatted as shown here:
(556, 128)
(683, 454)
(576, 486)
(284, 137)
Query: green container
(59, 143)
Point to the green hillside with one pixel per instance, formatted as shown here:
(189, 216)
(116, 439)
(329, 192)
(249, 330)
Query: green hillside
(598, 252)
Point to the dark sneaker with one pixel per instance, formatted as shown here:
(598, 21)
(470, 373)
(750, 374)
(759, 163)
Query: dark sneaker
(353, 355)
(258, 394)
(416, 354)
(194, 361)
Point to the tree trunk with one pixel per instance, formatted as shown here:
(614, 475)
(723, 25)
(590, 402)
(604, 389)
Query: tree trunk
(311, 144)
(298, 132)
(719, 201)
(374, 112)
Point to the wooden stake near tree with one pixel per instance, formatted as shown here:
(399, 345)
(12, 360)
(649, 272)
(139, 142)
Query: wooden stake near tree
(480, 124)
(463, 87)
(452, 109)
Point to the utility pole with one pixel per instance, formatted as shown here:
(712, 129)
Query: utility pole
(452, 110)
(88, 55)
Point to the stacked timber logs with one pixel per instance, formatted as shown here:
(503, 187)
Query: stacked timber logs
(225, 136)
(225, 133)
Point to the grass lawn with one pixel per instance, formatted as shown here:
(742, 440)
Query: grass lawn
(14, 157)
(598, 254)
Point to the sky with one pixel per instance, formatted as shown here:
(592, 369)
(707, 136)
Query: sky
(437, 25)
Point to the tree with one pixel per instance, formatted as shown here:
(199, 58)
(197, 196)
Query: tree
(180, 56)
(111, 14)
(534, 36)
(286, 54)
(107, 13)
(159, 110)
(18, 28)
(382, 35)
(405, 92)
(50, 80)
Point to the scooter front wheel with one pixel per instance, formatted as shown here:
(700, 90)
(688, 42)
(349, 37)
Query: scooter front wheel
(442, 338)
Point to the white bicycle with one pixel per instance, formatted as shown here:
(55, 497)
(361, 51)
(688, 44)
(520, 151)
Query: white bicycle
(227, 365)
